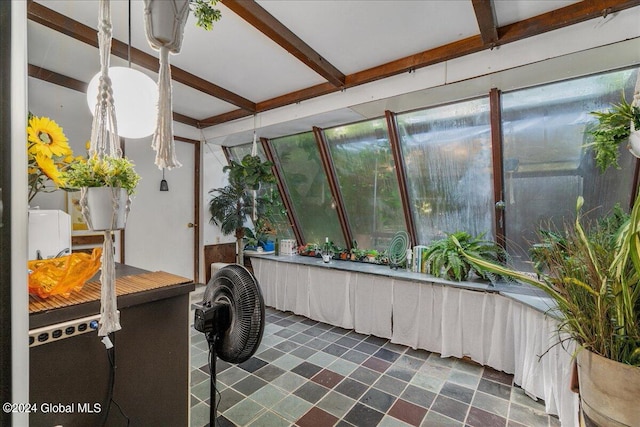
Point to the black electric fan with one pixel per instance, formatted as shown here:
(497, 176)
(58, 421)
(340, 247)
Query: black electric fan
(232, 319)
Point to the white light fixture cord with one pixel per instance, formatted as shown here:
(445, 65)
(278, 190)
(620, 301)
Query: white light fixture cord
(105, 142)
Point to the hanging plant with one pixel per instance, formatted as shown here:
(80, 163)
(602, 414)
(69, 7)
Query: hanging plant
(102, 172)
(614, 127)
(251, 171)
(205, 13)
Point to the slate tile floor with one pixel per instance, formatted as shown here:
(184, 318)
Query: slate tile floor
(309, 374)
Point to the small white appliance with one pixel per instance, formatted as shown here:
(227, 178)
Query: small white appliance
(49, 233)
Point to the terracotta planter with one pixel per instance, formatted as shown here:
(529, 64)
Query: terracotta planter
(105, 208)
(609, 391)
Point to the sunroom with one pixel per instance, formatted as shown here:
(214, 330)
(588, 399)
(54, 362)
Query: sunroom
(439, 224)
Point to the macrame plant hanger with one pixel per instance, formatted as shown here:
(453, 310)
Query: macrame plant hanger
(105, 142)
(164, 26)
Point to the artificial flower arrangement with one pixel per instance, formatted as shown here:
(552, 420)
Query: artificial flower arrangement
(49, 155)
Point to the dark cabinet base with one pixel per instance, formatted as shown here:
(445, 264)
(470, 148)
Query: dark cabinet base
(69, 378)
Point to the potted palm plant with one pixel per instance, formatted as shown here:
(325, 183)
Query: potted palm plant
(106, 184)
(593, 276)
(232, 205)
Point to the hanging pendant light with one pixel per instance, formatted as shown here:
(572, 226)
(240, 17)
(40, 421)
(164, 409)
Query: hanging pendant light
(164, 186)
(135, 95)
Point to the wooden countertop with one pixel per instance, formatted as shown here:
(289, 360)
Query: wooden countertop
(133, 287)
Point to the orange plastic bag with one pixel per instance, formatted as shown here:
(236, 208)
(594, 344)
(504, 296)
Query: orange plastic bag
(61, 276)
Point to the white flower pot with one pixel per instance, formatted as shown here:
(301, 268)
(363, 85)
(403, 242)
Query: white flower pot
(164, 22)
(634, 143)
(105, 208)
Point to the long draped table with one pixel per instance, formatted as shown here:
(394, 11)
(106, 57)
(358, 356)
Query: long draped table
(506, 327)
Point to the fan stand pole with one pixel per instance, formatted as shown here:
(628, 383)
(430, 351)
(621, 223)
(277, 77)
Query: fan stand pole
(213, 407)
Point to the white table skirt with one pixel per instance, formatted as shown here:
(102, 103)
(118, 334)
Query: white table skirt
(487, 327)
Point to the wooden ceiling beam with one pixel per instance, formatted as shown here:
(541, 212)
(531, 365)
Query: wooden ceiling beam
(65, 25)
(559, 18)
(80, 86)
(563, 17)
(487, 22)
(57, 78)
(264, 22)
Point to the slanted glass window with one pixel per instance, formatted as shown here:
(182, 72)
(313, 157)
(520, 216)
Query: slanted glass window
(367, 178)
(268, 191)
(447, 153)
(299, 161)
(239, 151)
(546, 164)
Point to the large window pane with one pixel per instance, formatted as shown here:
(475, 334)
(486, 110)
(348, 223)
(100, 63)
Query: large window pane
(546, 164)
(270, 191)
(299, 162)
(447, 152)
(239, 151)
(367, 177)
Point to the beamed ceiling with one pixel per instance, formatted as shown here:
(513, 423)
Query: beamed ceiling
(267, 54)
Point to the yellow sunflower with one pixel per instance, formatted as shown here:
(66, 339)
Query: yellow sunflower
(49, 168)
(46, 137)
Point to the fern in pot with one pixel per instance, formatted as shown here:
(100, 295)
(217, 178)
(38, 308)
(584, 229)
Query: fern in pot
(445, 259)
(620, 124)
(106, 184)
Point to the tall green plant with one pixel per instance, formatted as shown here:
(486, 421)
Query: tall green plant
(595, 282)
(231, 205)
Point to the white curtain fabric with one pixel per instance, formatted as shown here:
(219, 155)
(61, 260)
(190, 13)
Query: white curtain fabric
(329, 296)
(373, 299)
(489, 328)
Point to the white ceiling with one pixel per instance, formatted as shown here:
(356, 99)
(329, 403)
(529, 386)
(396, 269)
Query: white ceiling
(352, 35)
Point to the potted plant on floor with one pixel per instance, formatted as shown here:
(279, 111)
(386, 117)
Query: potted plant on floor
(233, 204)
(593, 277)
(106, 184)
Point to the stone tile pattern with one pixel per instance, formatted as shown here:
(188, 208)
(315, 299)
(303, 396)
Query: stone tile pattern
(309, 374)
